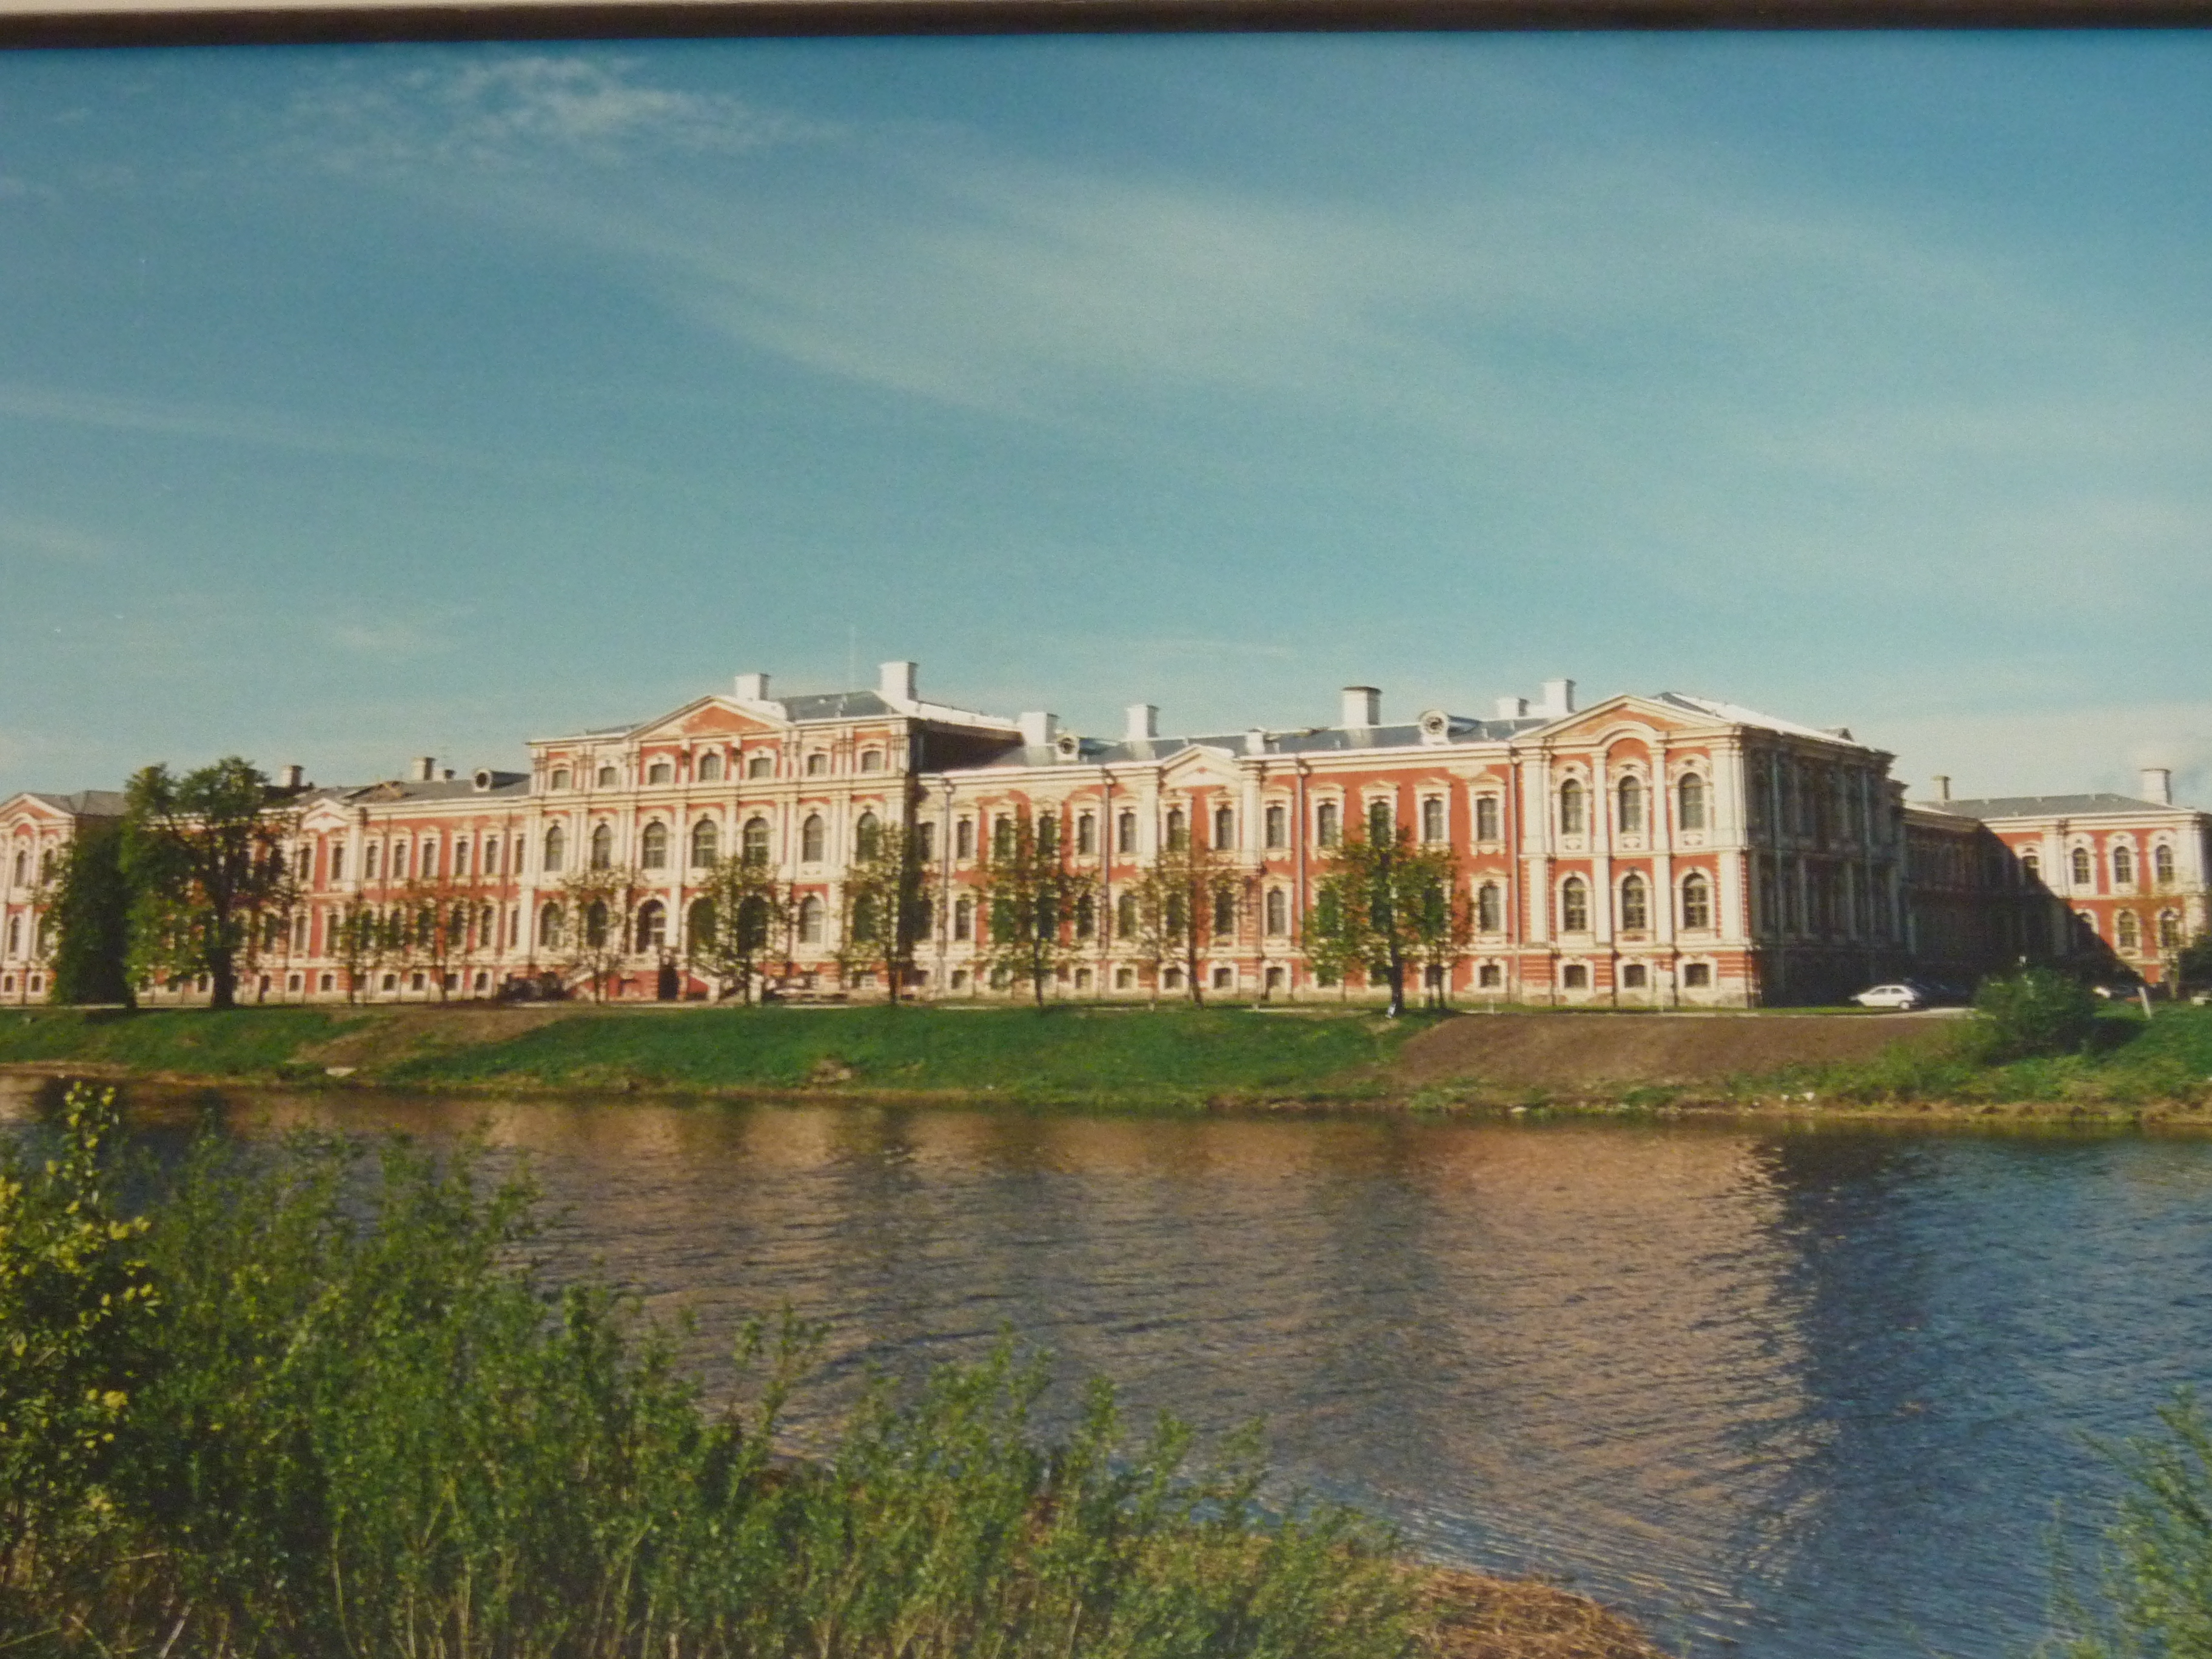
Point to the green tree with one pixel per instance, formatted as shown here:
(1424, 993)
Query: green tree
(2193, 967)
(357, 943)
(746, 917)
(1030, 892)
(2038, 1011)
(886, 906)
(600, 905)
(1384, 904)
(205, 855)
(90, 908)
(2154, 1585)
(1180, 899)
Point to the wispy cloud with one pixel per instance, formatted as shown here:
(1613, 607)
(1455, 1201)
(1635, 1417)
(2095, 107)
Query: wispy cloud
(261, 428)
(505, 112)
(2042, 751)
(55, 543)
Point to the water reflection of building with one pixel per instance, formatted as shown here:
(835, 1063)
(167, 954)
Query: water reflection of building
(1649, 850)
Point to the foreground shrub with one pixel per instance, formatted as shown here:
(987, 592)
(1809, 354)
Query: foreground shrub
(2152, 1593)
(2038, 1011)
(359, 1421)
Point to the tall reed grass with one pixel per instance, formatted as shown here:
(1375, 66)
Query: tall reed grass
(316, 1401)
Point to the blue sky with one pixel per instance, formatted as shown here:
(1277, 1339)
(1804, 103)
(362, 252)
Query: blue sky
(363, 403)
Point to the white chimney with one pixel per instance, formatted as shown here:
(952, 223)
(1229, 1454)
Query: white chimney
(425, 768)
(295, 777)
(752, 688)
(1144, 721)
(1943, 786)
(1363, 706)
(1039, 729)
(1513, 708)
(895, 681)
(1255, 741)
(1559, 698)
(2158, 785)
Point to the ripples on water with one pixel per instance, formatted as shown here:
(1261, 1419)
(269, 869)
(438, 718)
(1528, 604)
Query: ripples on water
(1786, 1393)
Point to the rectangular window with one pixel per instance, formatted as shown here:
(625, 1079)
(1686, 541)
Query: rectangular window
(1278, 827)
(1086, 833)
(925, 841)
(337, 862)
(1125, 833)
(1486, 817)
(963, 839)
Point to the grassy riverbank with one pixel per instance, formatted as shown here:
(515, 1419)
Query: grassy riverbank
(1164, 1058)
(304, 1405)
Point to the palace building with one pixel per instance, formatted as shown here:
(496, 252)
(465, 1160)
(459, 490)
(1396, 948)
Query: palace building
(1657, 850)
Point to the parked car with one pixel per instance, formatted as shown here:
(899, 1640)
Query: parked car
(1898, 998)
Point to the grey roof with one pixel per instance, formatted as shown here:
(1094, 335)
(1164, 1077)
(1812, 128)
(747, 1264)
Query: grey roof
(834, 706)
(503, 784)
(1310, 740)
(2045, 806)
(86, 803)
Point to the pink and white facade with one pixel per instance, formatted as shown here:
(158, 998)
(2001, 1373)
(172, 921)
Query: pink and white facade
(1659, 851)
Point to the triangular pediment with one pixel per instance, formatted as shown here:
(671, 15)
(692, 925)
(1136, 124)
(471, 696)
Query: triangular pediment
(1626, 713)
(709, 717)
(1199, 765)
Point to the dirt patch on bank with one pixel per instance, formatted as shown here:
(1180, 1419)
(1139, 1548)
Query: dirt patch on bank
(1478, 1617)
(389, 1036)
(1576, 1052)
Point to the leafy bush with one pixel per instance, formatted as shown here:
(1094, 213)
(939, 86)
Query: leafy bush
(2154, 1585)
(337, 1411)
(2038, 1011)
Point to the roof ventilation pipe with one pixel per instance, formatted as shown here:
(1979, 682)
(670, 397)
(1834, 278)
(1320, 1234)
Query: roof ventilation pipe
(1362, 708)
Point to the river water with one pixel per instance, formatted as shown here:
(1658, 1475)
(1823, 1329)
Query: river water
(1797, 1394)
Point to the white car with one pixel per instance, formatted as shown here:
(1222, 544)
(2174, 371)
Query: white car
(1900, 999)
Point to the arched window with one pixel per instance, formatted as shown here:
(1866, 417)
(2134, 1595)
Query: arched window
(810, 919)
(754, 840)
(1326, 829)
(1047, 833)
(2080, 866)
(1225, 828)
(1278, 913)
(2161, 862)
(1178, 829)
(1696, 900)
(603, 846)
(14, 936)
(1432, 819)
(706, 844)
(1378, 822)
(548, 928)
(1635, 903)
(2169, 930)
(963, 839)
(710, 767)
(1629, 817)
(1087, 917)
(1087, 834)
(22, 866)
(813, 839)
(2126, 930)
(1490, 909)
(2031, 869)
(1224, 913)
(1278, 826)
(1572, 817)
(699, 925)
(399, 861)
(760, 766)
(430, 868)
(863, 928)
(753, 919)
(1125, 915)
(964, 918)
(925, 842)
(595, 926)
(1486, 817)
(652, 847)
(1574, 905)
(872, 760)
(818, 764)
(1690, 793)
(1002, 838)
(660, 771)
(2124, 866)
(1125, 833)
(867, 837)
